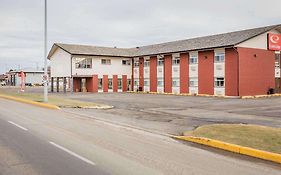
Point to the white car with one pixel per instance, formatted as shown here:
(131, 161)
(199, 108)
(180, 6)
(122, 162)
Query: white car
(3, 83)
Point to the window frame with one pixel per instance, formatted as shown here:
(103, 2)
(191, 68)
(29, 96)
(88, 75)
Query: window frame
(84, 63)
(176, 60)
(219, 57)
(106, 61)
(193, 57)
(160, 61)
(195, 80)
(126, 62)
(160, 80)
(217, 83)
(177, 84)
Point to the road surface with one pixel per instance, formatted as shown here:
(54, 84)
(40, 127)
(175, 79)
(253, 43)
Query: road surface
(39, 141)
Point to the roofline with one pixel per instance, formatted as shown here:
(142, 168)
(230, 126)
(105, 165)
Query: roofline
(272, 28)
(186, 51)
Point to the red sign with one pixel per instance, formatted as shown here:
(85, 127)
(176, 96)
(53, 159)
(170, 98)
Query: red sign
(274, 41)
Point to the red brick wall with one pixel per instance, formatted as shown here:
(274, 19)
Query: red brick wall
(115, 83)
(95, 83)
(124, 83)
(141, 69)
(184, 73)
(153, 74)
(231, 72)
(168, 73)
(105, 83)
(206, 72)
(256, 74)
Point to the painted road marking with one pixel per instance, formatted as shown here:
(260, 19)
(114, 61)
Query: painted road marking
(72, 153)
(17, 125)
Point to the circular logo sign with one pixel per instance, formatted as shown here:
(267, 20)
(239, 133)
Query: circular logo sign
(274, 39)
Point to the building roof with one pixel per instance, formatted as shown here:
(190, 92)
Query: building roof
(75, 49)
(27, 70)
(201, 43)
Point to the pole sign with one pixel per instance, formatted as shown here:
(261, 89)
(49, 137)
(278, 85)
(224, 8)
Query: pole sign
(274, 41)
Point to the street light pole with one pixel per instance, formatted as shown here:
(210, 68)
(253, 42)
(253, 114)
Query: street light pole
(45, 79)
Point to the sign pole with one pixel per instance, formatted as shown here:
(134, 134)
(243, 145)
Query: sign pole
(45, 55)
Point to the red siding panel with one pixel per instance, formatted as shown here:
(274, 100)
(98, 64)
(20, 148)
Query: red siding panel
(153, 74)
(95, 83)
(124, 83)
(184, 73)
(89, 85)
(76, 84)
(206, 72)
(92, 84)
(105, 83)
(115, 83)
(141, 69)
(168, 73)
(231, 72)
(256, 71)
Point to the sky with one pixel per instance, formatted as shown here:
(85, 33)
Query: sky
(120, 23)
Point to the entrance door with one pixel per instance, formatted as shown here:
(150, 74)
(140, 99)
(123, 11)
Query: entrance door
(277, 85)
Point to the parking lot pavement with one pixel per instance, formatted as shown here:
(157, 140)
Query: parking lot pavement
(176, 114)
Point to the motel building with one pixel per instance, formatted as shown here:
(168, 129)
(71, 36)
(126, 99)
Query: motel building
(240, 63)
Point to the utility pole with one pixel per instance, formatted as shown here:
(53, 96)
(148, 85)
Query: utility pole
(45, 79)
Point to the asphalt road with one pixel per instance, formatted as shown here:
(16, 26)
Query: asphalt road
(40, 141)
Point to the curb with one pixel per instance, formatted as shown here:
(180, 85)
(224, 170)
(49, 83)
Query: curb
(183, 94)
(274, 157)
(207, 95)
(44, 105)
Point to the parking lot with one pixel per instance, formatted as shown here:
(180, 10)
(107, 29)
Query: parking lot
(176, 114)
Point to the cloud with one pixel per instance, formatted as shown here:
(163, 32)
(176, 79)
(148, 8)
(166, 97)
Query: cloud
(122, 23)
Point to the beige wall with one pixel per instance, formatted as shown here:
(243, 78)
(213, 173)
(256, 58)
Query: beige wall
(258, 42)
(60, 64)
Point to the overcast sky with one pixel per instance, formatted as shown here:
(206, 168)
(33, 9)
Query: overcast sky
(121, 23)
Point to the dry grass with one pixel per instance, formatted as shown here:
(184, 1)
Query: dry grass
(254, 136)
(55, 100)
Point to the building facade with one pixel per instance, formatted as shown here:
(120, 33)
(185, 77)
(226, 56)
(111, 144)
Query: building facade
(239, 63)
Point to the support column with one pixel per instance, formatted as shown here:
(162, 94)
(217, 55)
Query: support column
(168, 73)
(52, 84)
(64, 84)
(105, 83)
(71, 84)
(58, 84)
(124, 83)
(115, 83)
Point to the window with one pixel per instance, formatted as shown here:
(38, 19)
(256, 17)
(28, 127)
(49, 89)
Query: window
(193, 60)
(136, 63)
(219, 82)
(160, 82)
(136, 82)
(110, 83)
(176, 82)
(146, 82)
(193, 82)
(119, 83)
(146, 62)
(106, 61)
(219, 57)
(277, 60)
(83, 63)
(160, 61)
(100, 83)
(126, 62)
(176, 60)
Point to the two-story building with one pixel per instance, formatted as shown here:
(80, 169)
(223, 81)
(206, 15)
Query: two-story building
(238, 63)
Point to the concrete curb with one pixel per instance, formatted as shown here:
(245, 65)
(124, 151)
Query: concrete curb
(184, 94)
(44, 105)
(207, 95)
(274, 157)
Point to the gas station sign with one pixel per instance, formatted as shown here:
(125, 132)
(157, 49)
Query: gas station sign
(274, 41)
